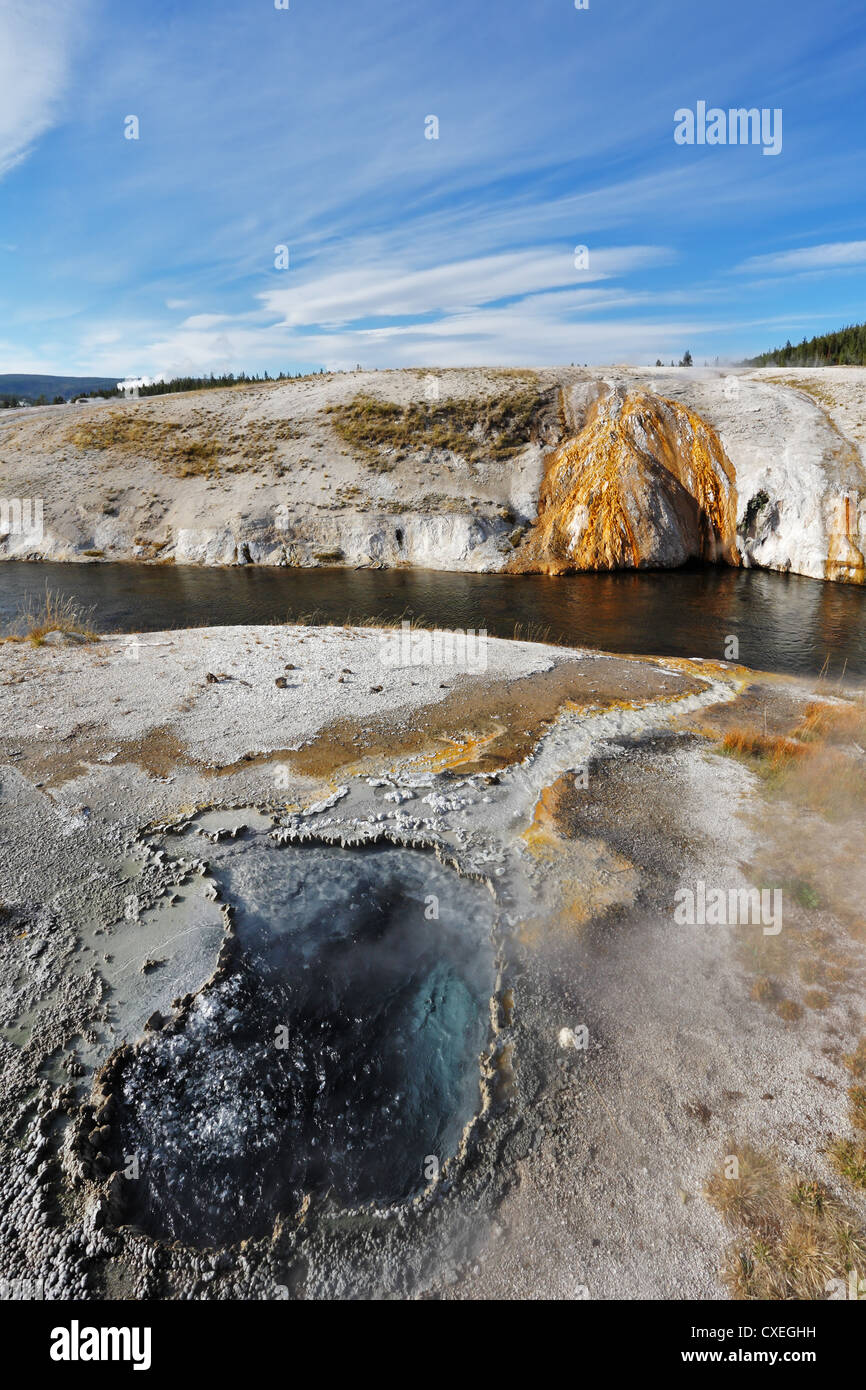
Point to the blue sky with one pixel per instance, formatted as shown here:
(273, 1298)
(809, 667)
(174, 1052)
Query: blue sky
(306, 128)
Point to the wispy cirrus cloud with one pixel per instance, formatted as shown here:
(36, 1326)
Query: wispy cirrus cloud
(37, 42)
(832, 255)
(501, 306)
(387, 290)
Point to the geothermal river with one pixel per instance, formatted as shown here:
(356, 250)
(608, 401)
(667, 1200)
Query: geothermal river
(782, 622)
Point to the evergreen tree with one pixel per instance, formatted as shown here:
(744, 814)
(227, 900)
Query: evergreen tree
(845, 348)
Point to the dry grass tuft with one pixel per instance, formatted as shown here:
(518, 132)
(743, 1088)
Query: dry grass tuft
(834, 723)
(764, 990)
(857, 1106)
(816, 999)
(772, 749)
(848, 1157)
(792, 1236)
(750, 1199)
(56, 613)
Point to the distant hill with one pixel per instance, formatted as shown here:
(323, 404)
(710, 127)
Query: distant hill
(30, 387)
(847, 348)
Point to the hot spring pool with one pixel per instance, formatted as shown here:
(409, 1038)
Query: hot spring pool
(336, 1052)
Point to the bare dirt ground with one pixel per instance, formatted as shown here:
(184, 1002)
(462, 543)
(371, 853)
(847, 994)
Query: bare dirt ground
(586, 790)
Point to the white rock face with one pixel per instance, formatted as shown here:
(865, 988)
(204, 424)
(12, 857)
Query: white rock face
(783, 444)
(450, 542)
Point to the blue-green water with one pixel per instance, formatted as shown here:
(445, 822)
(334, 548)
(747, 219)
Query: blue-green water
(339, 1054)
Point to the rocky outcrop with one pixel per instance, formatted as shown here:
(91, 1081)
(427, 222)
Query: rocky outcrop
(731, 467)
(621, 468)
(645, 484)
(451, 541)
(801, 482)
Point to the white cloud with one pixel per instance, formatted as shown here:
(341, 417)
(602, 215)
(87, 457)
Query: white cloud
(380, 291)
(544, 329)
(37, 38)
(832, 255)
(595, 325)
(341, 318)
(205, 320)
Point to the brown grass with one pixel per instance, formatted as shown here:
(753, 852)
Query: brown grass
(772, 749)
(789, 1010)
(494, 428)
(186, 450)
(166, 442)
(836, 723)
(764, 990)
(56, 613)
(857, 1106)
(811, 970)
(791, 1235)
(848, 1157)
(820, 764)
(750, 1198)
(816, 999)
(856, 1061)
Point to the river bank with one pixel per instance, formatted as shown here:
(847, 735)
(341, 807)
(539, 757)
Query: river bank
(460, 470)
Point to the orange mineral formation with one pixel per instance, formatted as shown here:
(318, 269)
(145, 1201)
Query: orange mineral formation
(646, 483)
(845, 559)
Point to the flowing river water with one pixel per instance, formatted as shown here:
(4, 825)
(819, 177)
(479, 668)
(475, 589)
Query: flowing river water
(782, 622)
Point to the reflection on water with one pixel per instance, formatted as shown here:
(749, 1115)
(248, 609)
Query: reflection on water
(783, 622)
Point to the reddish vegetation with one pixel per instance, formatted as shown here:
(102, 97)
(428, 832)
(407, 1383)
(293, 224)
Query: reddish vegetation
(820, 764)
(778, 751)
